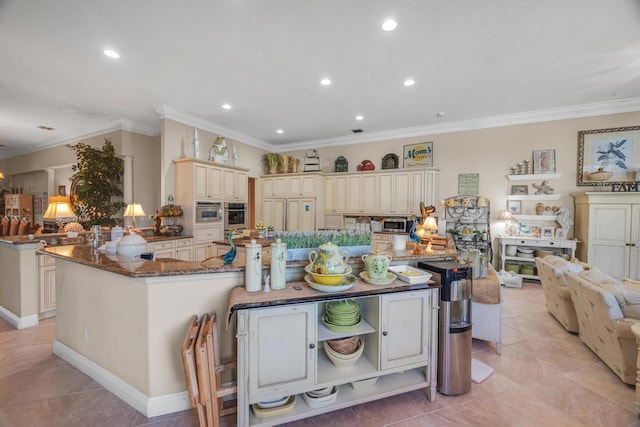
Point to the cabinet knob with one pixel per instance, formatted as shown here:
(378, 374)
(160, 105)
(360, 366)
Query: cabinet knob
(384, 333)
(312, 346)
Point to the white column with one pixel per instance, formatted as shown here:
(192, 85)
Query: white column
(127, 184)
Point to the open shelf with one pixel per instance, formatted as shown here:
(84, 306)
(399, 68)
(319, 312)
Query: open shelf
(325, 333)
(387, 385)
(535, 217)
(534, 176)
(534, 196)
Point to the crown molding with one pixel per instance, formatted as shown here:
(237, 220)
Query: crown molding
(175, 114)
(99, 129)
(563, 113)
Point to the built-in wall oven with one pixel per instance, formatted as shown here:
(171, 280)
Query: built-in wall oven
(235, 216)
(209, 212)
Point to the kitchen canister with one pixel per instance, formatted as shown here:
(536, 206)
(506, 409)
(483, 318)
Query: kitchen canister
(278, 264)
(399, 242)
(253, 267)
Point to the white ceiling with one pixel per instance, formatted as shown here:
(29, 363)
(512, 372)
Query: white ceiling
(480, 62)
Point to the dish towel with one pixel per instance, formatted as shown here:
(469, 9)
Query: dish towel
(479, 371)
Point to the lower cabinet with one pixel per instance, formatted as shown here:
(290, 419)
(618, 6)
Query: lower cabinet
(281, 353)
(46, 284)
(176, 249)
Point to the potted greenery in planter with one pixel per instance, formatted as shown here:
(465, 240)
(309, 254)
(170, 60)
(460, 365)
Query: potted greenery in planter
(271, 162)
(96, 182)
(299, 243)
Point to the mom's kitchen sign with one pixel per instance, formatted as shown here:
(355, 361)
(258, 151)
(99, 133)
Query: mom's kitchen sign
(418, 155)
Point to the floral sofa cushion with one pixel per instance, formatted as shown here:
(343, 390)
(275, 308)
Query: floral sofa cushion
(557, 298)
(626, 293)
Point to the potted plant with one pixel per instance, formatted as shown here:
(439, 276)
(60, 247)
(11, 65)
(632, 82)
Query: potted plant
(96, 183)
(271, 162)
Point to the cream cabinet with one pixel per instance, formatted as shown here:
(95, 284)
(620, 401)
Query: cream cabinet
(273, 213)
(204, 251)
(291, 185)
(207, 182)
(281, 352)
(400, 193)
(301, 215)
(235, 185)
(274, 186)
(203, 238)
(361, 196)
(302, 186)
(46, 284)
(607, 226)
(181, 249)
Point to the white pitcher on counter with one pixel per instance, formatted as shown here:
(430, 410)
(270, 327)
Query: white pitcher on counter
(278, 264)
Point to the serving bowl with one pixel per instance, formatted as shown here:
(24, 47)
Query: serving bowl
(314, 401)
(343, 360)
(327, 279)
(345, 345)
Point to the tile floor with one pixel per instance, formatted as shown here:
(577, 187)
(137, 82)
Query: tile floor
(544, 377)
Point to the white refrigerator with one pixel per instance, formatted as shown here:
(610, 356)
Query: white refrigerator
(290, 214)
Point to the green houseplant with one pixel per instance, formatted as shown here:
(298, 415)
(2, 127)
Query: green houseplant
(96, 183)
(272, 162)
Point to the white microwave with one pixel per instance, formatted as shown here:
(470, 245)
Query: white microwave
(208, 212)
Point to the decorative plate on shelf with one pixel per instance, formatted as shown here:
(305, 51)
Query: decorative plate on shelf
(390, 161)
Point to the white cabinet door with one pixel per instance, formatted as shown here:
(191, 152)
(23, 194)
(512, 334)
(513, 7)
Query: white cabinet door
(401, 192)
(361, 193)
(340, 194)
(610, 227)
(327, 194)
(234, 185)
(200, 182)
(385, 193)
(417, 192)
(302, 186)
(634, 263)
(214, 182)
(301, 215)
(46, 284)
(405, 321)
(273, 187)
(202, 252)
(282, 354)
(207, 234)
(273, 213)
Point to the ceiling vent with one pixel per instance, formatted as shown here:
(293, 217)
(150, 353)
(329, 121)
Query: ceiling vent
(45, 128)
(356, 130)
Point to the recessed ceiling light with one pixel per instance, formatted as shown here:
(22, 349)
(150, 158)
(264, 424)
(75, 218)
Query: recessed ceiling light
(325, 82)
(359, 117)
(409, 82)
(279, 131)
(389, 25)
(226, 106)
(112, 54)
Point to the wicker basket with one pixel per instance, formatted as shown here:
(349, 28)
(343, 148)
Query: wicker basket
(600, 175)
(345, 345)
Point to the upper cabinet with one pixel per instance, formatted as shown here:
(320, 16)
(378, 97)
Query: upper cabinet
(291, 185)
(235, 185)
(206, 182)
(397, 192)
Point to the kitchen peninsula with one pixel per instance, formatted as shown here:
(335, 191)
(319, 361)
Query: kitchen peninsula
(122, 321)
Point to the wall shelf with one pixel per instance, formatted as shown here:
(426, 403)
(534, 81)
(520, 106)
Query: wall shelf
(534, 176)
(535, 217)
(534, 196)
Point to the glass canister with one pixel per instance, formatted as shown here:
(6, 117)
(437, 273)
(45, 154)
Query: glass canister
(278, 264)
(253, 267)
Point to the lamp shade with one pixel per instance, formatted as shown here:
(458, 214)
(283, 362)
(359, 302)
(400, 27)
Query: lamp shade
(1, 175)
(59, 207)
(430, 223)
(506, 216)
(133, 210)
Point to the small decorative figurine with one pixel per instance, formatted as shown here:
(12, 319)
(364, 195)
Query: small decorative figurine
(231, 255)
(196, 145)
(218, 151)
(543, 188)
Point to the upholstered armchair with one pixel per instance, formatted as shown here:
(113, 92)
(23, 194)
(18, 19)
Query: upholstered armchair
(557, 298)
(602, 325)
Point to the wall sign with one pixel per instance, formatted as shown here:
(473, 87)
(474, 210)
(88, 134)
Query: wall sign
(418, 155)
(468, 183)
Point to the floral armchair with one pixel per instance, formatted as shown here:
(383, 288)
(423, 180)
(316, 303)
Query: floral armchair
(557, 298)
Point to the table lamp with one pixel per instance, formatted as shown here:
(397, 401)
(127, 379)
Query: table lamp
(425, 231)
(507, 217)
(59, 210)
(133, 210)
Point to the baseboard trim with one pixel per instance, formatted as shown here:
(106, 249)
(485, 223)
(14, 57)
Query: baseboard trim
(18, 322)
(148, 406)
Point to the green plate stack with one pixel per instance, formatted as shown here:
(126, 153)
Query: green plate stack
(342, 316)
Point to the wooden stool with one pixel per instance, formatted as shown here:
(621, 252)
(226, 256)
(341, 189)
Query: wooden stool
(204, 383)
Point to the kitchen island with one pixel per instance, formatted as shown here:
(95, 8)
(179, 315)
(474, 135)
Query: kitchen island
(122, 320)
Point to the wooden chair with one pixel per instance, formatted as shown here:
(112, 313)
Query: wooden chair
(209, 392)
(189, 363)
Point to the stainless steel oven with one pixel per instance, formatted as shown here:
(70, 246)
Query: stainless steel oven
(235, 216)
(208, 212)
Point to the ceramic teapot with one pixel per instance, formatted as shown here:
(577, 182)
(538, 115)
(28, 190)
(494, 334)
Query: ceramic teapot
(329, 260)
(376, 265)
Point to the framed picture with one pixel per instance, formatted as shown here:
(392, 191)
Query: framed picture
(514, 206)
(519, 189)
(561, 233)
(62, 190)
(608, 156)
(418, 155)
(547, 232)
(544, 161)
(37, 205)
(468, 183)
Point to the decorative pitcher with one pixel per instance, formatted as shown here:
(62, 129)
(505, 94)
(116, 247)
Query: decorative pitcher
(329, 260)
(376, 265)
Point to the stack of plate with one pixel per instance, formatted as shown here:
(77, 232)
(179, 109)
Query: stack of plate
(341, 316)
(525, 252)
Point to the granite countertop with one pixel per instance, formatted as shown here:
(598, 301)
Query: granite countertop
(137, 267)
